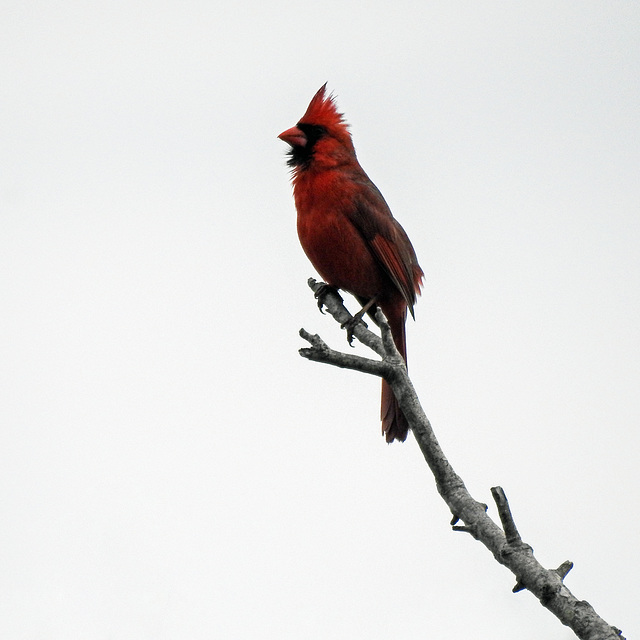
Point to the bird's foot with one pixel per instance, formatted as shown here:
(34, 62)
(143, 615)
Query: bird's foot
(351, 324)
(322, 291)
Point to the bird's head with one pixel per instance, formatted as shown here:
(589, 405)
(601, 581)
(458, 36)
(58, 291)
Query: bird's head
(321, 135)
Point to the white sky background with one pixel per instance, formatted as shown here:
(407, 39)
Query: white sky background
(169, 466)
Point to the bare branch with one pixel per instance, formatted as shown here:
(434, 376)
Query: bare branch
(505, 543)
(320, 352)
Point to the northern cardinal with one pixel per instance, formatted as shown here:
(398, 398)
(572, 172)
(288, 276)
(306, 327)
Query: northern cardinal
(347, 230)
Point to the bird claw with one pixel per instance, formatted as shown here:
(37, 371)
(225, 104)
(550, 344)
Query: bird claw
(322, 291)
(351, 324)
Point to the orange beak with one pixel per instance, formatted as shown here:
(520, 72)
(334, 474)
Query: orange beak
(294, 137)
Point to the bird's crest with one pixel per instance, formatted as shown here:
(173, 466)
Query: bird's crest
(322, 111)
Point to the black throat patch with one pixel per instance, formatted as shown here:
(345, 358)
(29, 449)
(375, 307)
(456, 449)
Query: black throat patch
(302, 156)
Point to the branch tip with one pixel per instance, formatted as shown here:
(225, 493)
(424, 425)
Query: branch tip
(518, 587)
(504, 511)
(313, 339)
(472, 530)
(564, 569)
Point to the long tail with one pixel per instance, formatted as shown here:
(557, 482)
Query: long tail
(394, 424)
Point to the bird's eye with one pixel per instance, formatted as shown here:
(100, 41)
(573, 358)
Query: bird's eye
(313, 132)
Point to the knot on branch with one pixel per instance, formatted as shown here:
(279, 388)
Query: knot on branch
(472, 529)
(474, 511)
(564, 569)
(506, 518)
(549, 592)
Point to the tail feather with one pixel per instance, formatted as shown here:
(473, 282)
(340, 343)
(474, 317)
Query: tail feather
(394, 423)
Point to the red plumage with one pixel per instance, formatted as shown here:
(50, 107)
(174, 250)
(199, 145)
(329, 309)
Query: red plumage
(347, 230)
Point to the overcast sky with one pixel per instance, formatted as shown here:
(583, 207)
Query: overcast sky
(170, 468)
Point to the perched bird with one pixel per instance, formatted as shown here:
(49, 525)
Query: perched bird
(347, 230)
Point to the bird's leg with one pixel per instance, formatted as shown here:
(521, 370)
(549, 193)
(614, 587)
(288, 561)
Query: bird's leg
(351, 324)
(322, 291)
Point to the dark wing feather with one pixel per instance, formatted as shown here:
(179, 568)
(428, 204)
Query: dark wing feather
(390, 244)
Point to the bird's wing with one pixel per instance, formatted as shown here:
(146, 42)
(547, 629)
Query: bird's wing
(387, 239)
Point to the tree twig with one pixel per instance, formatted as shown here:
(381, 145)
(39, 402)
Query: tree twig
(504, 543)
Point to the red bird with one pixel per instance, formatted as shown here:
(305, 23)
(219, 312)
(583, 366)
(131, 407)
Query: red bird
(347, 230)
